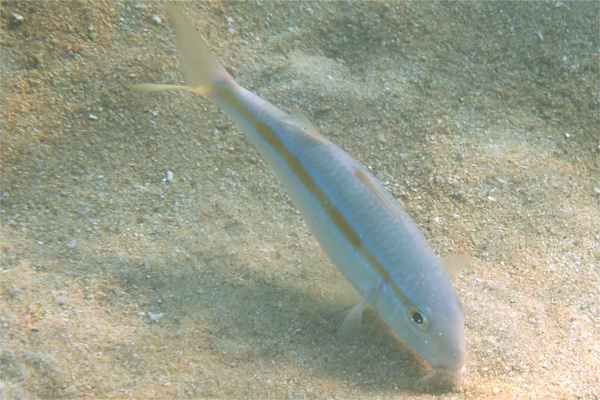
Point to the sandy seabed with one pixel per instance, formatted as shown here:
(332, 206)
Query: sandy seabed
(481, 118)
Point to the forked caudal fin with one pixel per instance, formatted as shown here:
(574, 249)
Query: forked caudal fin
(200, 68)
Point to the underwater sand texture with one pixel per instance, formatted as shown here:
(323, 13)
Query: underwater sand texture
(148, 251)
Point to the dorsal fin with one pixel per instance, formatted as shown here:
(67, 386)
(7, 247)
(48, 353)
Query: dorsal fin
(393, 208)
(300, 120)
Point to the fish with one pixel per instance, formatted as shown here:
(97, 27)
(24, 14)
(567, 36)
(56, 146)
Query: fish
(359, 224)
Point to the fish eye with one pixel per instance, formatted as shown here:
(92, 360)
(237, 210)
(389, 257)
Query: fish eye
(417, 317)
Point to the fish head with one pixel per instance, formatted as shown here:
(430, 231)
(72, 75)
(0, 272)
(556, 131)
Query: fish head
(435, 330)
(431, 322)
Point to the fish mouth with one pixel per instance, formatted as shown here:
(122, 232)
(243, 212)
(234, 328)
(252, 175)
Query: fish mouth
(442, 374)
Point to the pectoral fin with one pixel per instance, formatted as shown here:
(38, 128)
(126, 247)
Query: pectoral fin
(454, 264)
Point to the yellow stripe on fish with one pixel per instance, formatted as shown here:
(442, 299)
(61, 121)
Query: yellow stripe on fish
(359, 224)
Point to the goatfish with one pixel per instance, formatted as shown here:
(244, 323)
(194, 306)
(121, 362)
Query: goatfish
(359, 224)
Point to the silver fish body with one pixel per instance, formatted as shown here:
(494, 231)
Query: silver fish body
(359, 224)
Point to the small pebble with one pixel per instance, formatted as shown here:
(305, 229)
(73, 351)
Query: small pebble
(155, 317)
(17, 19)
(169, 176)
(496, 390)
(156, 19)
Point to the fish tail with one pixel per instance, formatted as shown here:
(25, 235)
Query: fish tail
(201, 69)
